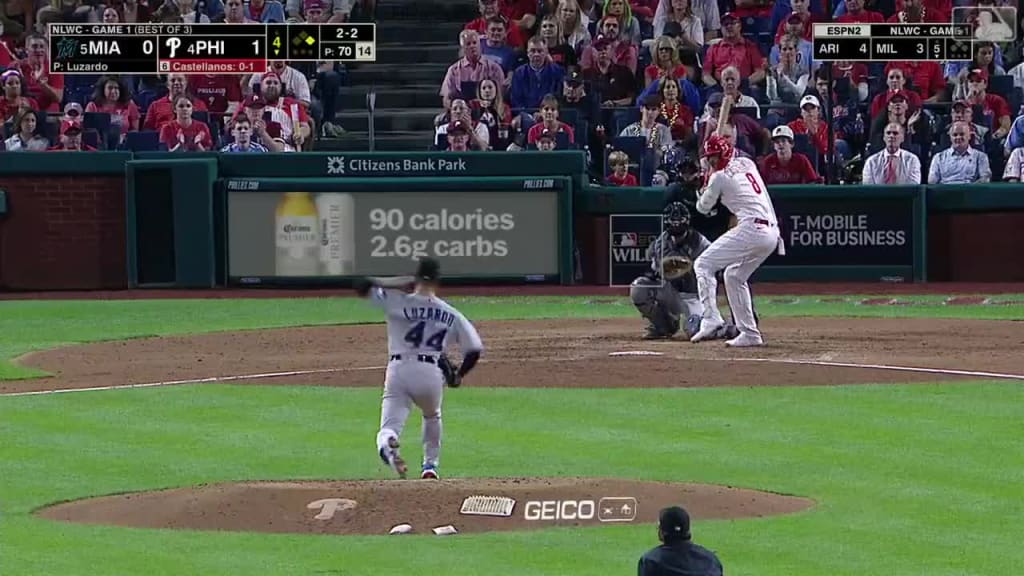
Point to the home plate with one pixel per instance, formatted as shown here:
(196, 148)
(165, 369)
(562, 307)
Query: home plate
(636, 353)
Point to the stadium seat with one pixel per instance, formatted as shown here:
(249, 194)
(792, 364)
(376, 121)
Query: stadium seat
(91, 137)
(633, 146)
(468, 90)
(100, 122)
(144, 141)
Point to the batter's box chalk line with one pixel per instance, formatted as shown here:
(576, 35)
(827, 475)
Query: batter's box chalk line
(637, 353)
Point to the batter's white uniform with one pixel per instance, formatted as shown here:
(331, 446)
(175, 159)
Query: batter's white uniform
(420, 328)
(741, 250)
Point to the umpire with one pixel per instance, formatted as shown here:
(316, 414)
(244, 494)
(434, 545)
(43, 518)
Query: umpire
(677, 555)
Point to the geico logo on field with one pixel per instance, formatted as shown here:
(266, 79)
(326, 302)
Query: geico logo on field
(559, 510)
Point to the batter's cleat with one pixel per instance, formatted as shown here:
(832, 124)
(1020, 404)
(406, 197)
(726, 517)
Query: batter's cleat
(708, 332)
(429, 473)
(744, 341)
(391, 457)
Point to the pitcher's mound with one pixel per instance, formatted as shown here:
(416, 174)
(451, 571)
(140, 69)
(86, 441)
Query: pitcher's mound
(374, 507)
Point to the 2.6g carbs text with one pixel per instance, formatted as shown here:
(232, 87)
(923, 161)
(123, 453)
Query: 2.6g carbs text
(412, 227)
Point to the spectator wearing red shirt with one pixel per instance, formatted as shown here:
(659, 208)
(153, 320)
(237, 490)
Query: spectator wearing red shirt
(937, 11)
(926, 77)
(857, 72)
(13, 98)
(162, 110)
(624, 52)
(220, 93)
(111, 97)
(993, 105)
(734, 50)
(786, 166)
(618, 161)
(491, 9)
(6, 56)
(71, 138)
(855, 13)
(677, 115)
(810, 123)
(802, 11)
(666, 62)
(895, 82)
(522, 13)
(296, 127)
(45, 88)
(184, 133)
(549, 121)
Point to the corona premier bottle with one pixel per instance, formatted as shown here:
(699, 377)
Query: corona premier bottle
(337, 233)
(298, 235)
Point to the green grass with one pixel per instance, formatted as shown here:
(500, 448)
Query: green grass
(38, 325)
(910, 480)
(923, 476)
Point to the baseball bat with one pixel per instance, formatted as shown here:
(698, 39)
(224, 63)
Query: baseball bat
(723, 114)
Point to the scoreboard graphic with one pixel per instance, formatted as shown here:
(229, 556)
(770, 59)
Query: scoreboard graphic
(891, 42)
(202, 48)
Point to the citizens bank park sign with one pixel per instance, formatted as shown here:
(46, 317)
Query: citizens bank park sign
(356, 166)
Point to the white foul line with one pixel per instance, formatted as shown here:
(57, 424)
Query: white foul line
(198, 380)
(888, 367)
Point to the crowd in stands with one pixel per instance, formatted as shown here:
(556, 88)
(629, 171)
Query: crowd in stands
(282, 110)
(639, 84)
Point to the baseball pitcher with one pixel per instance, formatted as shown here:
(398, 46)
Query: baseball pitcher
(420, 325)
(669, 290)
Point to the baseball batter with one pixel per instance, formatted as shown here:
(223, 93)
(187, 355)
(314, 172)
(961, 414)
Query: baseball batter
(740, 251)
(420, 326)
(669, 289)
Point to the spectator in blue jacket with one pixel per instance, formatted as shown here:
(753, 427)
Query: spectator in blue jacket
(1016, 137)
(539, 76)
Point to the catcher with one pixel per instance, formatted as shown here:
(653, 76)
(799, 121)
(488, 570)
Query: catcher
(669, 289)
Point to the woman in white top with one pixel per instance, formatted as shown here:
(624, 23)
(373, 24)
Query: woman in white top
(25, 139)
(681, 12)
(706, 11)
(574, 24)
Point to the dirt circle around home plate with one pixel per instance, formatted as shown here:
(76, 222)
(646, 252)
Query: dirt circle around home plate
(577, 353)
(375, 507)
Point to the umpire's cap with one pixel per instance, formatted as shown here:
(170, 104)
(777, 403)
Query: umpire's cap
(674, 523)
(429, 270)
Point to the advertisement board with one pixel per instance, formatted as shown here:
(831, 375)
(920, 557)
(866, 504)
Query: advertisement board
(327, 233)
(630, 235)
(846, 232)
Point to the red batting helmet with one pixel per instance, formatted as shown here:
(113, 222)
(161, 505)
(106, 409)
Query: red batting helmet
(718, 151)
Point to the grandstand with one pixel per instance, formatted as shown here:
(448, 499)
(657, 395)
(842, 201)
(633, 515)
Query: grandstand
(641, 77)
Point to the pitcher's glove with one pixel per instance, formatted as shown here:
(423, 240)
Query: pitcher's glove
(450, 371)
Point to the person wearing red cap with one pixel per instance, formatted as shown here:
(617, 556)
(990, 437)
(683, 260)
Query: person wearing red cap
(71, 138)
(916, 127)
(45, 88)
(992, 105)
(184, 133)
(799, 23)
(895, 81)
(162, 110)
(734, 50)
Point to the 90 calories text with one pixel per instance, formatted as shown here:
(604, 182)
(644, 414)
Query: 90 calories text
(444, 220)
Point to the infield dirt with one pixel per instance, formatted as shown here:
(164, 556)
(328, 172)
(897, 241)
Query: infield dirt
(562, 353)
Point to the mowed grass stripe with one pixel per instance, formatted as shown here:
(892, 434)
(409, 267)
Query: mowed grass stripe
(894, 469)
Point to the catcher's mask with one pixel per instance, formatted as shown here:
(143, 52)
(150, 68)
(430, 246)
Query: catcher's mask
(676, 219)
(718, 151)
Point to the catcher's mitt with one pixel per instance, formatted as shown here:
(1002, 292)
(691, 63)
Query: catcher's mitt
(450, 371)
(675, 267)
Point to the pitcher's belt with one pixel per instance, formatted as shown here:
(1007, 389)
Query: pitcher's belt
(419, 357)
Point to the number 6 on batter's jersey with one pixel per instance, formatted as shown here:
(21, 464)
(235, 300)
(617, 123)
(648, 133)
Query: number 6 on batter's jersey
(415, 337)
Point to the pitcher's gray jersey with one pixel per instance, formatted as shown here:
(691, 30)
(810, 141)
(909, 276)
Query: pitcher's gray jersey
(420, 324)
